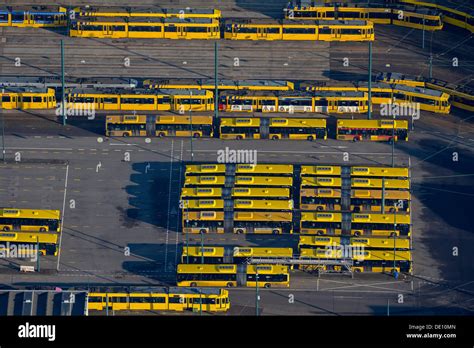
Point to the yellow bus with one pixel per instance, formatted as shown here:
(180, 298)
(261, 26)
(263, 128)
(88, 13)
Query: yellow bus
(233, 275)
(261, 192)
(310, 241)
(47, 242)
(297, 128)
(263, 181)
(201, 192)
(231, 254)
(160, 126)
(265, 222)
(371, 200)
(265, 169)
(204, 180)
(203, 221)
(321, 199)
(203, 204)
(397, 224)
(146, 12)
(373, 130)
(161, 299)
(203, 169)
(320, 171)
(263, 204)
(375, 261)
(33, 220)
(27, 98)
(366, 183)
(380, 172)
(321, 223)
(324, 181)
(239, 128)
(235, 85)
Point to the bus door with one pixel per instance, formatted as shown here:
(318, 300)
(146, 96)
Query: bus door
(242, 275)
(181, 31)
(151, 126)
(264, 128)
(261, 33)
(107, 30)
(336, 33)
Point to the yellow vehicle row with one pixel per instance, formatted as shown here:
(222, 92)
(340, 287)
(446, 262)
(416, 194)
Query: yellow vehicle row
(31, 228)
(160, 299)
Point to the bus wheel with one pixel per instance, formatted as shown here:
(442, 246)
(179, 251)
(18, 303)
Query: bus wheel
(310, 138)
(275, 137)
(357, 233)
(319, 208)
(6, 228)
(42, 229)
(161, 134)
(193, 284)
(393, 234)
(357, 270)
(355, 139)
(275, 231)
(238, 137)
(196, 135)
(125, 135)
(267, 285)
(320, 233)
(392, 210)
(229, 285)
(240, 231)
(202, 231)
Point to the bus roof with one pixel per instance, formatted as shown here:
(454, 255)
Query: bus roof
(205, 268)
(320, 170)
(297, 122)
(380, 171)
(246, 180)
(260, 192)
(263, 216)
(377, 194)
(399, 218)
(29, 213)
(239, 122)
(205, 168)
(371, 124)
(264, 168)
(201, 192)
(203, 215)
(321, 217)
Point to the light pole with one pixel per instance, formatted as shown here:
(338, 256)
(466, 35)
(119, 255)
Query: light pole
(202, 248)
(423, 44)
(3, 139)
(216, 82)
(63, 84)
(200, 301)
(393, 142)
(191, 123)
(369, 101)
(257, 297)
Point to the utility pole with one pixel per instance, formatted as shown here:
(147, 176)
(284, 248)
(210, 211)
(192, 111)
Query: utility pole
(63, 109)
(216, 82)
(369, 115)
